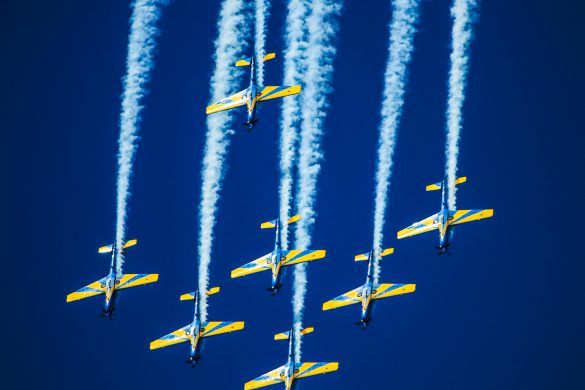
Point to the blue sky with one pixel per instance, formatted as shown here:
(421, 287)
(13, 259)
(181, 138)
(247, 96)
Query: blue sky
(505, 311)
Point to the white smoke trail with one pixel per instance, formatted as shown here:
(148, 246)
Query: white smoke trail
(262, 13)
(463, 13)
(320, 53)
(229, 46)
(141, 44)
(402, 29)
(294, 67)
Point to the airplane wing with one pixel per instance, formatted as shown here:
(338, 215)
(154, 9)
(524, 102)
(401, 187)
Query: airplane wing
(349, 298)
(133, 280)
(214, 328)
(277, 91)
(178, 336)
(90, 290)
(314, 368)
(426, 225)
(270, 378)
(385, 290)
(258, 265)
(463, 216)
(236, 100)
(296, 256)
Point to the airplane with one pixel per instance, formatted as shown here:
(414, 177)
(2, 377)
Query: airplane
(111, 284)
(291, 371)
(197, 330)
(278, 258)
(254, 94)
(370, 291)
(445, 219)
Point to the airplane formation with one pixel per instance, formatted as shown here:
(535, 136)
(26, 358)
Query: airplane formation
(276, 262)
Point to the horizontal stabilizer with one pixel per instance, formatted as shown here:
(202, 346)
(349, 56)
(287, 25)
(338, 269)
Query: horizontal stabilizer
(294, 219)
(366, 256)
(105, 249)
(268, 56)
(286, 335)
(243, 63)
(269, 224)
(129, 243)
(439, 185)
(191, 296)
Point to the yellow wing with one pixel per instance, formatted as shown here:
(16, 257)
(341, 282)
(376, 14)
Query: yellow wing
(314, 368)
(90, 290)
(133, 280)
(349, 298)
(236, 100)
(275, 92)
(270, 378)
(386, 290)
(178, 336)
(296, 256)
(426, 225)
(258, 265)
(463, 216)
(214, 328)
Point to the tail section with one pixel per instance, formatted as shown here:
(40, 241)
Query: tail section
(248, 62)
(286, 335)
(366, 256)
(272, 224)
(110, 248)
(191, 296)
(439, 185)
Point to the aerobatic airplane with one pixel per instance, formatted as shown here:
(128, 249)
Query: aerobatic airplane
(445, 219)
(291, 371)
(278, 258)
(254, 94)
(111, 284)
(197, 330)
(370, 291)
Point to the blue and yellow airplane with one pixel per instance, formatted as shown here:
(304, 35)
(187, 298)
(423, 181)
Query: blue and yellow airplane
(445, 219)
(291, 371)
(254, 94)
(370, 291)
(111, 284)
(197, 330)
(277, 259)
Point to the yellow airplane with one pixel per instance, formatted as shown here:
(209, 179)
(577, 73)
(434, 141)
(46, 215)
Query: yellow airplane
(197, 330)
(291, 371)
(445, 219)
(254, 94)
(111, 284)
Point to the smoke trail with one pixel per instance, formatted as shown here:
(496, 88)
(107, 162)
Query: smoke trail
(402, 29)
(139, 63)
(229, 46)
(320, 53)
(294, 67)
(463, 13)
(262, 13)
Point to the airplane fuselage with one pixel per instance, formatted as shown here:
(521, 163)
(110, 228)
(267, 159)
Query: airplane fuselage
(289, 367)
(110, 285)
(365, 295)
(252, 96)
(276, 258)
(195, 330)
(444, 220)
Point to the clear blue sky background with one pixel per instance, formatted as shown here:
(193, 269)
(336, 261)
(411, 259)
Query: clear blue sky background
(505, 311)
